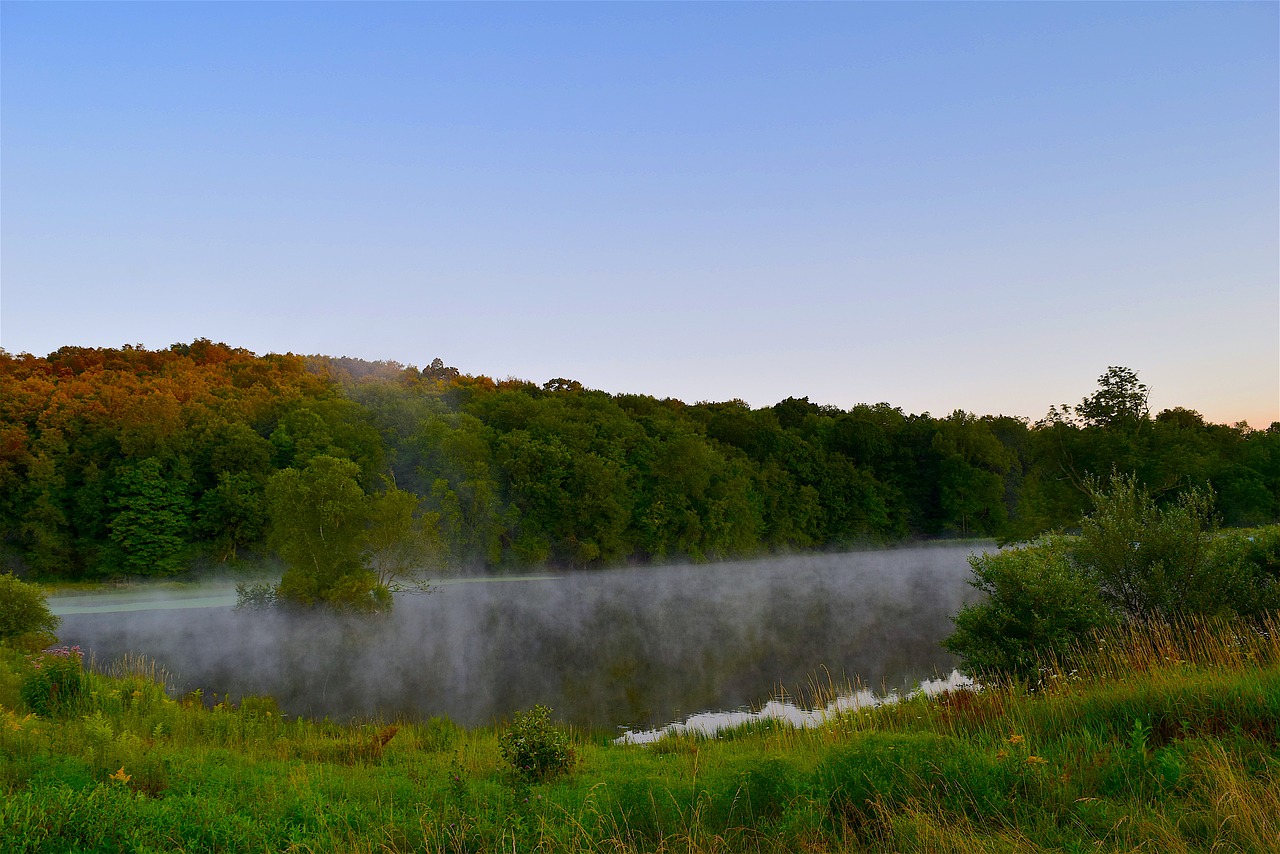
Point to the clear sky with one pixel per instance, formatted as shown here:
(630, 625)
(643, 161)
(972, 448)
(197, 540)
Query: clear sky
(942, 206)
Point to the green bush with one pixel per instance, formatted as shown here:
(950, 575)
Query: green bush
(1148, 560)
(1134, 560)
(1038, 602)
(1246, 566)
(23, 610)
(534, 747)
(56, 682)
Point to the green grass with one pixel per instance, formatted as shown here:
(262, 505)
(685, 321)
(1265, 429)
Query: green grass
(1161, 738)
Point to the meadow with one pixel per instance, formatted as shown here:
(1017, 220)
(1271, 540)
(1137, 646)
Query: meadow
(1155, 736)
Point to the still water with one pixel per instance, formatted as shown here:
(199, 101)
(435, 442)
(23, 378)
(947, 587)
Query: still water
(630, 649)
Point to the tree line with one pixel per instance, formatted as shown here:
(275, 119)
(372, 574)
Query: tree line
(131, 461)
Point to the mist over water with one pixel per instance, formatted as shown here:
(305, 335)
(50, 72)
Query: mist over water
(635, 648)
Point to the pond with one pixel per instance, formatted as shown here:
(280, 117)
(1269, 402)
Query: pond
(627, 649)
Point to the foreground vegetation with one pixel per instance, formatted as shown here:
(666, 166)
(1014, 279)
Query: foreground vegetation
(1164, 736)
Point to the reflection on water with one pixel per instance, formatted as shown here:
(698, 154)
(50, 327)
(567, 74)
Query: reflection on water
(708, 723)
(632, 648)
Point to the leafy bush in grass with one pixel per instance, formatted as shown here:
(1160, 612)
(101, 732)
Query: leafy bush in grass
(534, 747)
(1134, 561)
(1246, 566)
(23, 611)
(1038, 602)
(1147, 560)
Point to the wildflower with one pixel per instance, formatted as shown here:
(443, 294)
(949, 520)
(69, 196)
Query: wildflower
(121, 777)
(1016, 739)
(14, 722)
(1036, 760)
(1003, 754)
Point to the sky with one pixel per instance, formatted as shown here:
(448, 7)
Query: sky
(938, 205)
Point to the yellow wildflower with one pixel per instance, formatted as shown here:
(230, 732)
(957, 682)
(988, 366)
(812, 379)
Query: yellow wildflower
(14, 722)
(1036, 760)
(1015, 739)
(121, 777)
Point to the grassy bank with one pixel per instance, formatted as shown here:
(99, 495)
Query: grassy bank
(1165, 738)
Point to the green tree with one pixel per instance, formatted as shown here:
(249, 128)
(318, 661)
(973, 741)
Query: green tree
(972, 473)
(792, 513)
(230, 515)
(43, 526)
(1248, 481)
(972, 498)
(152, 519)
(319, 516)
(457, 462)
(602, 506)
(1121, 400)
(300, 436)
(538, 473)
(400, 542)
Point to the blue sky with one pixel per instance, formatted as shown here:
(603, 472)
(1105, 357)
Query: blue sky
(942, 206)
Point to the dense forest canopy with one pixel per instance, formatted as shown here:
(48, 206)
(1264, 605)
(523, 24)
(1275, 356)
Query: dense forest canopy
(138, 462)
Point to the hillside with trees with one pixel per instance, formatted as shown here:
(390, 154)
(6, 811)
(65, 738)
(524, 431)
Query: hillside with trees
(143, 463)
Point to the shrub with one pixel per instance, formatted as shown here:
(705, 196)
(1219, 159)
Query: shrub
(1134, 561)
(55, 683)
(534, 747)
(1150, 561)
(1246, 565)
(1037, 603)
(23, 610)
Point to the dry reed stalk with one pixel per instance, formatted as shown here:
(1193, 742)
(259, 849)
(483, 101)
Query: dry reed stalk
(912, 827)
(136, 666)
(1246, 809)
(1150, 646)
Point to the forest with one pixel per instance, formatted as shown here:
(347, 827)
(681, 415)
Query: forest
(137, 462)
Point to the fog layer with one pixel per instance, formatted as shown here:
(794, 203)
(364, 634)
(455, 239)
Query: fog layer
(633, 648)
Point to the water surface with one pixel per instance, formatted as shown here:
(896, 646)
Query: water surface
(631, 648)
